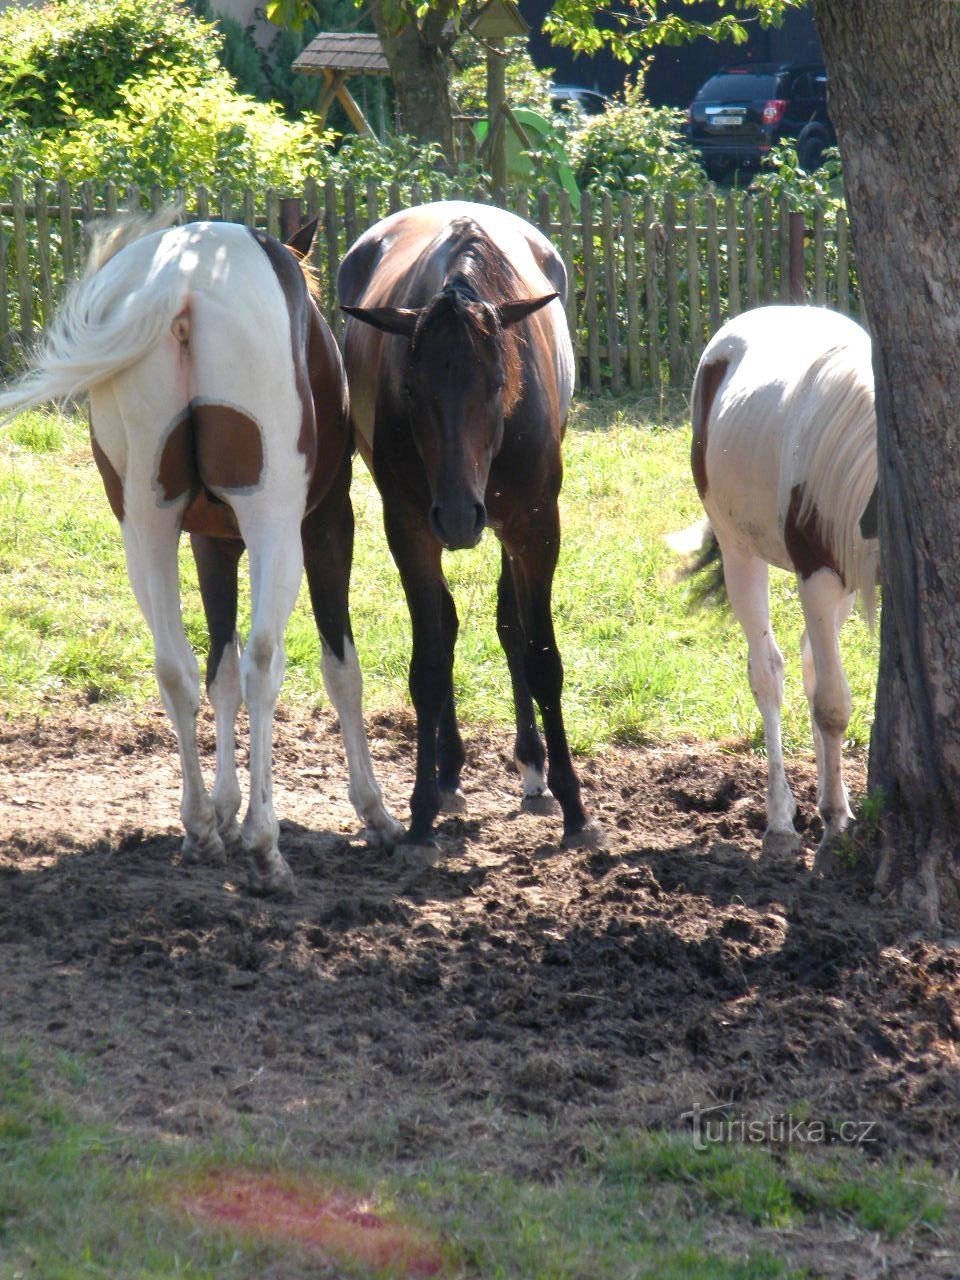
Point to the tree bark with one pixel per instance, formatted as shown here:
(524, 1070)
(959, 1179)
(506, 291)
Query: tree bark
(418, 54)
(894, 87)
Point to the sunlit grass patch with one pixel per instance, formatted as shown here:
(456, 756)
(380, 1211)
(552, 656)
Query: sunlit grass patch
(641, 666)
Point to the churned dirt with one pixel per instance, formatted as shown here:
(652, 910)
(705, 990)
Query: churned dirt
(413, 1012)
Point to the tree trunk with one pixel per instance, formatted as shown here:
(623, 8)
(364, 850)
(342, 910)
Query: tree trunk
(418, 55)
(894, 88)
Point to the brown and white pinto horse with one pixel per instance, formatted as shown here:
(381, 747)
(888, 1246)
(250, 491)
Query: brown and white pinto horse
(218, 406)
(784, 458)
(461, 374)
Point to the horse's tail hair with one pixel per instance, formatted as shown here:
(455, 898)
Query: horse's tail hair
(105, 324)
(704, 567)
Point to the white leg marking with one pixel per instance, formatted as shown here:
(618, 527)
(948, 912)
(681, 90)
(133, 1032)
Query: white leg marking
(826, 604)
(537, 796)
(344, 684)
(225, 697)
(276, 564)
(747, 580)
(151, 539)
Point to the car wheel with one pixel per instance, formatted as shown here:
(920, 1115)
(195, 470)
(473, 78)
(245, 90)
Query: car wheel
(810, 148)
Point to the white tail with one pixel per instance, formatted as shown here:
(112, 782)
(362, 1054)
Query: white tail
(108, 321)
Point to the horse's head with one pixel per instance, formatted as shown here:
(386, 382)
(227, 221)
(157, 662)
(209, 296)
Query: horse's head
(461, 378)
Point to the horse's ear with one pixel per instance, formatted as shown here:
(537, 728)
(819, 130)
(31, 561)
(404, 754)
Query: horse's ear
(513, 312)
(301, 242)
(399, 320)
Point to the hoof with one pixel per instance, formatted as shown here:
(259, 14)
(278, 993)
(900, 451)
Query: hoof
(453, 802)
(275, 881)
(209, 850)
(779, 844)
(541, 803)
(589, 837)
(417, 855)
(829, 859)
(384, 833)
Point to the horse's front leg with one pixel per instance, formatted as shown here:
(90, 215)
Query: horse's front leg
(217, 561)
(328, 554)
(434, 623)
(529, 752)
(533, 560)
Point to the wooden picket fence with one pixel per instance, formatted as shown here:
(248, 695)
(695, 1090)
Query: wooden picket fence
(651, 279)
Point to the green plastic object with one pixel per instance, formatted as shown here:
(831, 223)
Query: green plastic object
(543, 138)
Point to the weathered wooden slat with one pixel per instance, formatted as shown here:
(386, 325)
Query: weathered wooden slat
(676, 355)
(713, 264)
(631, 292)
(66, 229)
(608, 241)
(693, 280)
(273, 213)
(651, 232)
(733, 255)
(6, 343)
(21, 259)
(784, 241)
(748, 213)
(819, 257)
(769, 270)
(590, 307)
(42, 238)
(331, 231)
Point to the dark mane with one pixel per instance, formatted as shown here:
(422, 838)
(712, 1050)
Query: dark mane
(479, 277)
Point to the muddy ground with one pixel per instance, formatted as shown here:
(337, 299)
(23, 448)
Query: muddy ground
(414, 1012)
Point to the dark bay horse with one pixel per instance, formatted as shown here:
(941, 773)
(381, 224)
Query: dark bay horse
(784, 457)
(461, 373)
(218, 406)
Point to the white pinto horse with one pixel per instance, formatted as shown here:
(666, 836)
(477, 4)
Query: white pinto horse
(218, 406)
(784, 459)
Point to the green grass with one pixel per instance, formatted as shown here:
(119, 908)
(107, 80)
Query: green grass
(78, 1199)
(640, 665)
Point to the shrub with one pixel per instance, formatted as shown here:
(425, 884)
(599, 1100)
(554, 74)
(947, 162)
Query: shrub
(783, 176)
(635, 148)
(81, 54)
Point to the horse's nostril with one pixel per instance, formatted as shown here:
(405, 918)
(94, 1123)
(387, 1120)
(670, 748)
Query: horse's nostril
(480, 513)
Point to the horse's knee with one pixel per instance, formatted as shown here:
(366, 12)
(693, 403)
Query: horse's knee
(831, 709)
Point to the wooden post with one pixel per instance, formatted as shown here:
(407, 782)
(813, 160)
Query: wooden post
(291, 217)
(496, 97)
(798, 281)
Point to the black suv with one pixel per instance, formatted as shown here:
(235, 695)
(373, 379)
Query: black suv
(741, 112)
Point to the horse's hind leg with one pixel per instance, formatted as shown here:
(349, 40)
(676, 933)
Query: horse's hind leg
(151, 539)
(328, 553)
(217, 560)
(826, 605)
(747, 582)
(529, 751)
(276, 563)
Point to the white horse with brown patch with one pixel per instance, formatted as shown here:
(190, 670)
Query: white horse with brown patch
(218, 406)
(784, 459)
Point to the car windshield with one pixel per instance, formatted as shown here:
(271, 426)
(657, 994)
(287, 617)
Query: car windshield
(738, 87)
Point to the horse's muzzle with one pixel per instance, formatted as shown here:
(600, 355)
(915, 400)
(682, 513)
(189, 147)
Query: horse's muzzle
(458, 526)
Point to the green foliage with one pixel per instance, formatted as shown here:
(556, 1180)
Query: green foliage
(782, 175)
(164, 135)
(635, 148)
(399, 158)
(79, 55)
(526, 84)
(629, 31)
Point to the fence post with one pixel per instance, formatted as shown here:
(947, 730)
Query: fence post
(798, 280)
(291, 216)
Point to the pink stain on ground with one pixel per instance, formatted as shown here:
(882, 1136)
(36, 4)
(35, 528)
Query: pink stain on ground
(333, 1223)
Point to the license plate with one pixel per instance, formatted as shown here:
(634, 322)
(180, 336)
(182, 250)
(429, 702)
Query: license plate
(726, 120)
